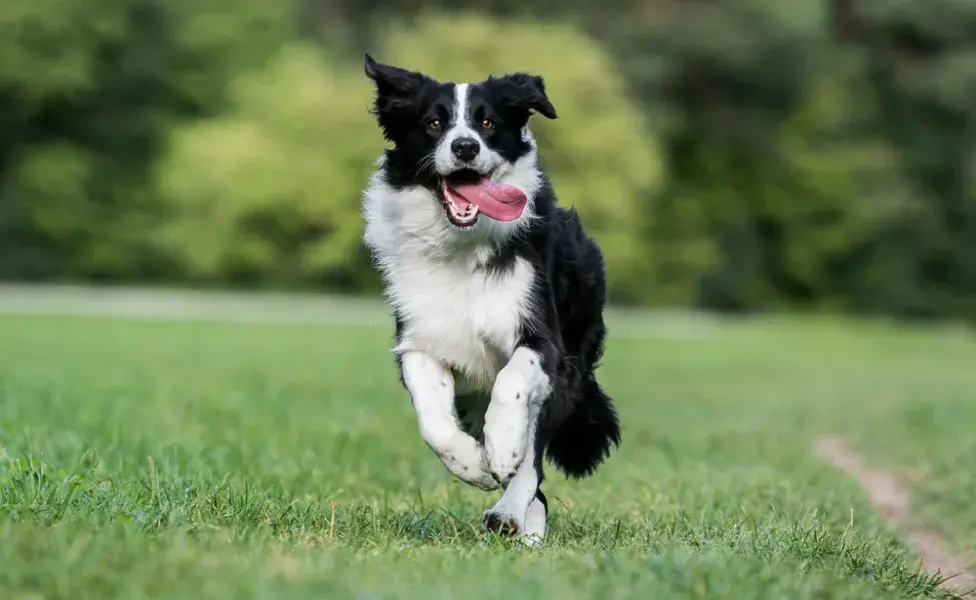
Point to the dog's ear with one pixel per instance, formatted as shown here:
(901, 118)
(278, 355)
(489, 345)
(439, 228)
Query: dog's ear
(527, 91)
(393, 84)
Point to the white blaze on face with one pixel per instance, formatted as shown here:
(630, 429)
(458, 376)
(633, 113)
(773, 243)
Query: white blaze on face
(444, 158)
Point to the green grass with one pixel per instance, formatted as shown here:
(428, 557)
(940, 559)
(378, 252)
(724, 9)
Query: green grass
(202, 460)
(926, 435)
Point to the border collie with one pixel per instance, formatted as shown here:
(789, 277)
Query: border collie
(497, 293)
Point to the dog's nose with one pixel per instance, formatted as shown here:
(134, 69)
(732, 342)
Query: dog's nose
(465, 148)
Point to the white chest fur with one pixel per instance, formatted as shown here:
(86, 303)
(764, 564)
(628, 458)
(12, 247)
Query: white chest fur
(456, 310)
(467, 318)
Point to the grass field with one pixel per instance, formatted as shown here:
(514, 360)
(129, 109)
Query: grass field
(182, 459)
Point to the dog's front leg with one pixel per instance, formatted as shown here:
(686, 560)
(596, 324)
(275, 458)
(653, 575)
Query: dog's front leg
(522, 508)
(431, 388)
(511, 425)
(520, 390)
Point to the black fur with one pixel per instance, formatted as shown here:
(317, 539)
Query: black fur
(579, 426)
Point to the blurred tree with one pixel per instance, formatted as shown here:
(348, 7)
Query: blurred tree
(270, 192)
(922, 69)
(86, 90)
(721, 76)
(777, 180)
(356, 24)
(819, 152)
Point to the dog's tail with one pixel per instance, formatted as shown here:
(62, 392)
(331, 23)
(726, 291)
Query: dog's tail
(587, 435)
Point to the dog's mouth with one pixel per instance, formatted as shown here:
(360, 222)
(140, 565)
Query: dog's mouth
(466, 194)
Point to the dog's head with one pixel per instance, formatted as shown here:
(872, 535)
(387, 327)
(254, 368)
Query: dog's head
(468, 143)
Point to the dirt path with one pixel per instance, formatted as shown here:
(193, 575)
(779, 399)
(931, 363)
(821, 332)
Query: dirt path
(892, 501)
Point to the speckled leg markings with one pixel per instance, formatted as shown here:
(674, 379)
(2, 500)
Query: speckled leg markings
(510, 428)
(516, 399)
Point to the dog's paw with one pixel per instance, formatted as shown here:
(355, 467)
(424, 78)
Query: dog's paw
(465, 458)
(530, 540)
(504, 458)
(480, 479)
(502, 523)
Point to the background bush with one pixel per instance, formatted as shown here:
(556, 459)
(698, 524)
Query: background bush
(271, 190)
(736, 155)
(87, 92)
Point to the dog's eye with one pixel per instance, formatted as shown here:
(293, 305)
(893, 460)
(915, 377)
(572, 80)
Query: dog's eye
(434, 124)
(487, 124)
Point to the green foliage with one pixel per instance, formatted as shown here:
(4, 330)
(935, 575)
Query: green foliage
(733, 154)
(49, 179)
(748, 219)
(601, 152)
(923, 83)
(774, 229)
(812, 153)
(94, 85)
(271, 190)
(49, 48)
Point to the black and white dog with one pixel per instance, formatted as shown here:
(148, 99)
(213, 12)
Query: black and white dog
(497, 293)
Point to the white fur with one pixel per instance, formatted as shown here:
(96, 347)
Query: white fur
(431, 388)
(516, 399)
(518, 507)
(510, 444)
(534, 530)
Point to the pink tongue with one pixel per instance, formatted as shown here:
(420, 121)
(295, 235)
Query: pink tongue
(494, 200)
